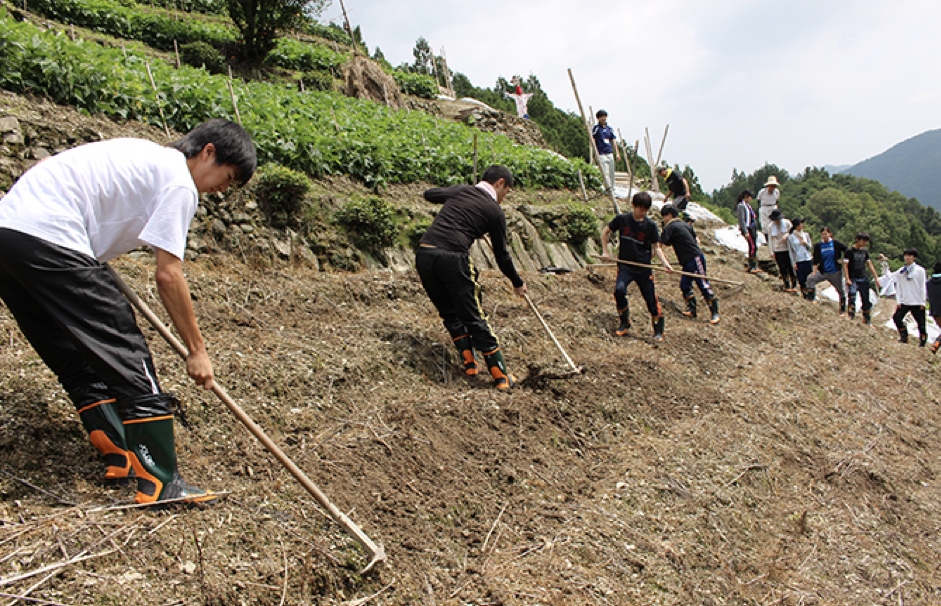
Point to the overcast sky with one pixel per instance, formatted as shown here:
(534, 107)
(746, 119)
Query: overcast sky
(740, 82)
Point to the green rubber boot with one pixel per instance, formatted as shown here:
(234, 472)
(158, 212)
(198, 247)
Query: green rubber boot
(502, 380)
(690, 306)
(101, 421)
(466, 349)
(714, 308)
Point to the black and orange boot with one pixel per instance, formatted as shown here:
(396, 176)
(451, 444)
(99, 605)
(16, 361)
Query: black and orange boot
(936, 345)
(922, 340)
(148, 430)
(502, 380)
(714, 308)
(851, 311)
(690, 306)
(100, 419)
(867, 316)
(466, 349)
(625, 316)
(658, 328)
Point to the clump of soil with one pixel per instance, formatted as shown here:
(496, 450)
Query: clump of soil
(364, 79)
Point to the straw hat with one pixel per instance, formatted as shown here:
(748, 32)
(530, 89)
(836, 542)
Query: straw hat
(772, 180)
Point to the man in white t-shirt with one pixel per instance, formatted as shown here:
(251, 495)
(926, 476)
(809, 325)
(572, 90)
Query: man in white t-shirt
(767, 202)
(59, 224)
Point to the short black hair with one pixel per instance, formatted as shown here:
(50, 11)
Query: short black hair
(669, 209)
(937, 267)
(642, 199)
(495, 172)
(600, 113)
(863, 236)
(911, 251)
(826, 229)
(233, 145)
(745, 193)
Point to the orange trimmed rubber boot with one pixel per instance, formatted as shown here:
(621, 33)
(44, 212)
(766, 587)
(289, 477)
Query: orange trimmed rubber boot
(466, 349)
(100, 419)
(502, 380)
(153, 455)
(625, 326)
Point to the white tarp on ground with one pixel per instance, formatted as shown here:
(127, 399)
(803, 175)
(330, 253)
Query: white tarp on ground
(731, 237)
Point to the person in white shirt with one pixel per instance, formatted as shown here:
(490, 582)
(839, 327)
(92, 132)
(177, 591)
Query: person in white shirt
(59, 224)
(910, 296)
(799, 248)
(778, 232)
(767, 202)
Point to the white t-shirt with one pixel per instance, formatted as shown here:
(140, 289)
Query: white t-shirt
(104, 199)
(779, 231)
(769, 198)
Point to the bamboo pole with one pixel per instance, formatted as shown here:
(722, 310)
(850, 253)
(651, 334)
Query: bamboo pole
(675, 271)
(349, 29)
(176, 51)
(447, 72)
(235, 103)
(591, 144)
(153, 85)
(375, 552)
(475, 158)
(581, 183)
(568, 360)
(654, 181)
(662, 143)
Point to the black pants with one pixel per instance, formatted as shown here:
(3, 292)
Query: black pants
(72, 313)
(783, 260)
(644, 281)
(918, 312)
(450, 280)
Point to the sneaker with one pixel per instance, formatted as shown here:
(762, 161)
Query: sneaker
(504, 383)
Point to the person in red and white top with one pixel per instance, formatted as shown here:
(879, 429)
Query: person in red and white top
(59, 224)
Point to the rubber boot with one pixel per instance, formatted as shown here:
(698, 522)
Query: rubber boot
(463, 344)
(842, 306)
(690, 306)
(810, 294)
(867, 317)
(936, 345)
(922, 340)
(502, 380)
(625, 317)
(851, 310)
(714, 308)
(153, 452)
(106, 433)
(903, 335)
(658, 329)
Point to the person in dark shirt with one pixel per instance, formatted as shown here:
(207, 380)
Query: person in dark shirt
(608, 153)
(826, 260)
(448, 274)
(933, 288)
(678, 188)
(855, 263)
(682, 238)
(638, 237)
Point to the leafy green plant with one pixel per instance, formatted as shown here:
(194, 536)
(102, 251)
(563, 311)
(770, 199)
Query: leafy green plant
(202, 54)
(300, 56)
(415, 230)
(281, 192)
(209, 7)
(317, 80)
(420, 85)
(579, 224)
(370, 224)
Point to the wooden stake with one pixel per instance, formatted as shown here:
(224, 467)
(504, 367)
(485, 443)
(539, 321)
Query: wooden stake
(124, 50)
(675, 271)
(375, 552)
(662, 142)
(654, 180)
(581, 183)
(447, 73)
(349, 29)
(591, 144)
(153, 84)
(235, 102)
(475, 159)
(176, 51)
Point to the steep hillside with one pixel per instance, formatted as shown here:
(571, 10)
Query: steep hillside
(911, 168)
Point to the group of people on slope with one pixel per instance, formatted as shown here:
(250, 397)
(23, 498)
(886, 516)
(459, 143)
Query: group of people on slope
(802, 264)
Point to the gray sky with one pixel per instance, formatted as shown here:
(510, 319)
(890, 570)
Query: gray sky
(740, 82)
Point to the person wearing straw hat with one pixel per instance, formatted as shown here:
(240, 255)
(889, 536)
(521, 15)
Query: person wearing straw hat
(767, 202)
(59, 225)
(608, 153)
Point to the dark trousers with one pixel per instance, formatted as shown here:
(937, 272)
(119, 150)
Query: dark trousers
(72, 313)
(860, 285)
(450, 280)
(696, 265)
(644, 283)
(751, 237)
(918, 312)
(804, 269)
(783, 260)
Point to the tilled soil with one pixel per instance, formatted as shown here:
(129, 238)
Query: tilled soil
(783, 456)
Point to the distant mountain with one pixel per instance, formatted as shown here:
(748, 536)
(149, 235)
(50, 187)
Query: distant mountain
(910, 168)
(834, 169)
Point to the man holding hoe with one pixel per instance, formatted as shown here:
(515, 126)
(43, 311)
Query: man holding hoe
(448, 274)
(682, 238)
(59, 224)
(638, 237)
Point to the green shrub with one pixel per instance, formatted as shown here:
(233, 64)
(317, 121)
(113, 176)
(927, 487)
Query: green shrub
(208, 7)
(280, 192)
(296, 55)
(579, 224)
(370, 224)
(416, 230)
(317, 80)
(202, 54)
(420, 85)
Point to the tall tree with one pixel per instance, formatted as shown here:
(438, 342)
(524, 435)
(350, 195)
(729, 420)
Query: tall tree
(260, 21)
(423, 56)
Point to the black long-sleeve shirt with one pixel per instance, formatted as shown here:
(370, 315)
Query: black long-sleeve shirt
(469, 213)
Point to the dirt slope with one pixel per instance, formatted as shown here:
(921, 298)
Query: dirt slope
(784, 456)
